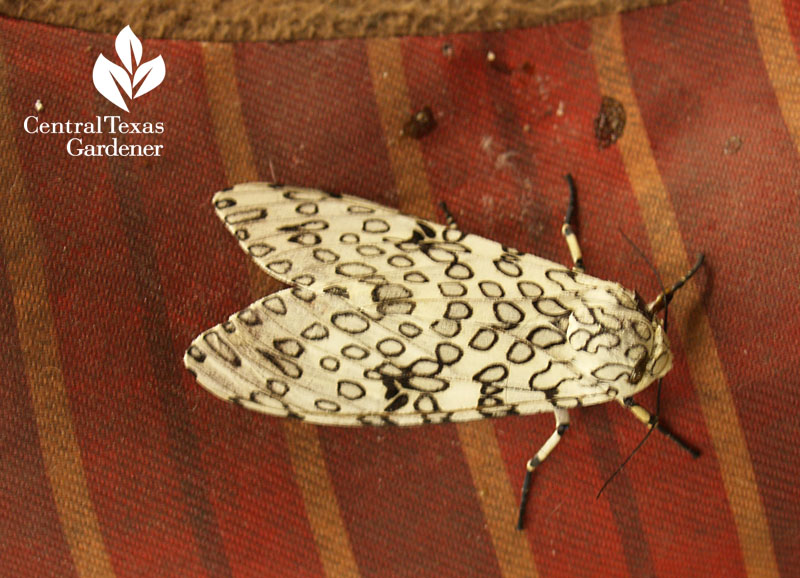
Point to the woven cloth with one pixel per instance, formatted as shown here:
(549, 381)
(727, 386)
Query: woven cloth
(116, 463)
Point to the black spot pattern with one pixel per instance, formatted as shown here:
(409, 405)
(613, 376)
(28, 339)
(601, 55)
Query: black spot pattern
(354, 351)
(507, 313)
(286, 367)
(280, 267)
(355, 269)
(249, 317)
(491, 289)
(350, 390)
(277, 387)
(245, 216)
(400, 261)
(259, 250)
(327, 405)
(375, 226)
(315, 332)
(452, 289)
(307, 209)
(446, 327)
(221, 349)
(350, 322)
(410, 330)
(484, 339)
(391, 347)
(415, 277)
(459, 271)
(289, 346)
(458, 310)
(325, 256)
(369, 250)
(329, 363)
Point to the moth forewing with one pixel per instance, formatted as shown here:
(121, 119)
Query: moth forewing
(391, 319)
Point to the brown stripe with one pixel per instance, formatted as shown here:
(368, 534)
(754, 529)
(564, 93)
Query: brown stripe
(322, 506)
(780, 59)
(701, 350)
(478, 440)
(39, 344)
(394, 107)
(226, 113)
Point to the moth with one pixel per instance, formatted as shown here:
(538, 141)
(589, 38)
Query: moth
(394, 320)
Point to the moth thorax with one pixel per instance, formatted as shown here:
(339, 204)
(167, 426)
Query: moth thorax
(622, 348)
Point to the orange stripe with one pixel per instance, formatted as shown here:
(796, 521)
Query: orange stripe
(478, 440)
(322, 505)
(39, 342)
(670, 256)
(777, 50)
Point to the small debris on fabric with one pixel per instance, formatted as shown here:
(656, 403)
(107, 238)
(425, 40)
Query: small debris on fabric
(610, 122)
(733, 145)
(420, 124)
(496, 64)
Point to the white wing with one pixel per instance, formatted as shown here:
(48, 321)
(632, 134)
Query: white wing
(394, 319)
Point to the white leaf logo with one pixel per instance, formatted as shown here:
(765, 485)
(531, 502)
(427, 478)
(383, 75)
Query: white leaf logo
(112, 80)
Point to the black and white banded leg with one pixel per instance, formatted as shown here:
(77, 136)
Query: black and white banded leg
(566, 229)
(449, 219)
(651, 421)
(562, 423)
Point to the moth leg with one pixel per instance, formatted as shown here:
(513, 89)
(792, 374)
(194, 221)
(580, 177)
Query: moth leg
(651, 422)
(562, 423)
(450, 221)
(566, 229)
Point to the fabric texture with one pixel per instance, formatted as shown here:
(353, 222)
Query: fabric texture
(116, 463)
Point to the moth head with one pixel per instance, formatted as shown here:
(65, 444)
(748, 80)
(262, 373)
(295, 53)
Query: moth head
(654, 365)
(655, 357)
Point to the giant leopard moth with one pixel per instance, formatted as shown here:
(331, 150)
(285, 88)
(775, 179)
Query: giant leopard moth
(394, 320)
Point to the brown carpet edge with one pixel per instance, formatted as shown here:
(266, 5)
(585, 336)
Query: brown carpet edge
(274, 20)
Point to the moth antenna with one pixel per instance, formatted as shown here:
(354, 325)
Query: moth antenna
(652, 423)
(663, 300)
(624, 463)
(644, 258)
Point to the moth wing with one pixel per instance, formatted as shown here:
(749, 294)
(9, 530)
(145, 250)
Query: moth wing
(316, 357)
(455, 287)
(308, 237)
(386, 261)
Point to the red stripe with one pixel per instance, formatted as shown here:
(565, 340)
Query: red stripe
(792, 13)
(312, 116)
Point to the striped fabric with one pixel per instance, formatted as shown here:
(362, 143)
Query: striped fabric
(116, 463)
